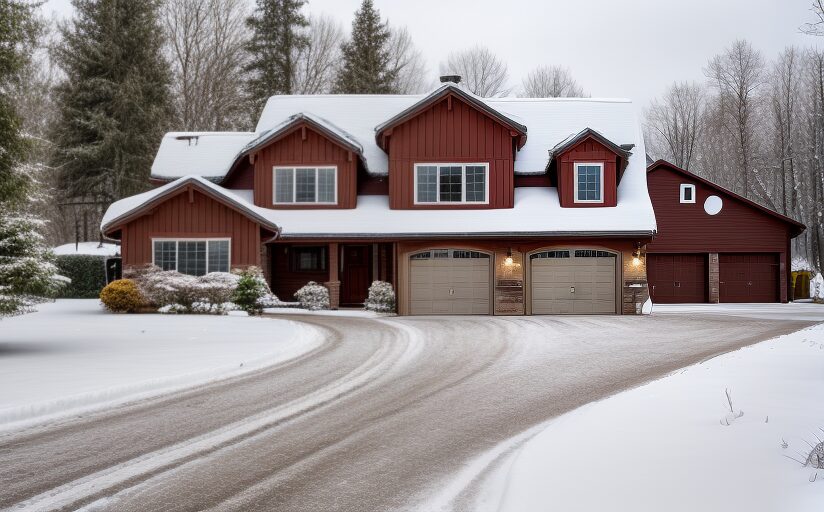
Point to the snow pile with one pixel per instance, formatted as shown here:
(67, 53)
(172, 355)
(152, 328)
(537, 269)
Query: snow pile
(71, 356)
(87, 249)
(661, 446)
(381, 297)
(313, 296)
(817, 288)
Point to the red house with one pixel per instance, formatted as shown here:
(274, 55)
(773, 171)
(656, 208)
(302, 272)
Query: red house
(714, 245)
(466, 205)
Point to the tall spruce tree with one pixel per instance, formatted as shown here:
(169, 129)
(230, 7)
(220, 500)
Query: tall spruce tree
(114, 103)
(278, 37)
(27, 272)
(366, 67)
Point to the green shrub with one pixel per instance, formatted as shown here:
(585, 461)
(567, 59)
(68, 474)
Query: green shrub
(87, 272)
(251, 288)
(122, 296)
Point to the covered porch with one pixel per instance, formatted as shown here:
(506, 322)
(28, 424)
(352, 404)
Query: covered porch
(347, 268)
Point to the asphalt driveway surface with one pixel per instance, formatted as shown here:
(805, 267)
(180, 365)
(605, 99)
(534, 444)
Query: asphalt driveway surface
(377, 418)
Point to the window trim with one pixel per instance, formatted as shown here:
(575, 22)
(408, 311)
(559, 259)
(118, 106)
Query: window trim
(199, 239)
(685, 186)
(323, 258)
(294, 169)
(600, 165)
(438, 165)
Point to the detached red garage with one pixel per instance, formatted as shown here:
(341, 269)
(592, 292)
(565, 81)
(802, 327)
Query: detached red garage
(714, 245)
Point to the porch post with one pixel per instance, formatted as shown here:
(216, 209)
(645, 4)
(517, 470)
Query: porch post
(714, 279)
(333, 285)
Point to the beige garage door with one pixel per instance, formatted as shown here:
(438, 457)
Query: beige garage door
(449, 282)
(573, 282)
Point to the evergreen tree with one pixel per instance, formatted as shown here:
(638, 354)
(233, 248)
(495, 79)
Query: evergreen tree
(27, 273)
(278, 36)
(114, 103)
(366, 65)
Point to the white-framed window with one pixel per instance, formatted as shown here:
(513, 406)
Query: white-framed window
(305, 185)
(589, 182)
(452, 183)
(687, 193)
(193, 256)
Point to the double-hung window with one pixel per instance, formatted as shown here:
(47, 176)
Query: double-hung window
(192, 256)
(305, 185)
(451, 183)
(589, 182)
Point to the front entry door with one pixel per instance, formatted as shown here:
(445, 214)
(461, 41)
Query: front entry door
(355, 277)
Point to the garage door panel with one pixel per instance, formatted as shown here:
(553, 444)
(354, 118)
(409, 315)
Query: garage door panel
(751, 277)
(554, 278)
(449, 284)
(677, 278)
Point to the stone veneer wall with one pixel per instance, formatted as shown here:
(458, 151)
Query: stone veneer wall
(715, 283)
(635, 288)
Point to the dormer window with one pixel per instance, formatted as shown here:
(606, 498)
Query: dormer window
(306, 185)
(687, 193)
(452, 183)
(589, 182)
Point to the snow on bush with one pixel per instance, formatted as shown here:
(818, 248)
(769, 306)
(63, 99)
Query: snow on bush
(122, 296)
(313, 296)
(381, 297)
(168, 287)
(172, 309)
(817, 288)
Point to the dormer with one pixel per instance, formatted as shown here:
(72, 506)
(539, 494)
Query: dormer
(305, 162)
(587, 168)
(451, 150)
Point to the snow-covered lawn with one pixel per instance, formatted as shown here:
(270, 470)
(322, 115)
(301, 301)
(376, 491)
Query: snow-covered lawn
(663, 446)
(71, 356)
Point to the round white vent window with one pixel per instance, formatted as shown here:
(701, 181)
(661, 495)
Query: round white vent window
(713, 205)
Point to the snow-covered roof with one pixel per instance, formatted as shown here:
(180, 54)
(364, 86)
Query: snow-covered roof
(341, 135)
(207, 154)
(124, 208)
(537, 212)
(87, 249)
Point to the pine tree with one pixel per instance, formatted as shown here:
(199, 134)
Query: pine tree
(366, 59)
(27, 273)
(114, 103)
(278, 36)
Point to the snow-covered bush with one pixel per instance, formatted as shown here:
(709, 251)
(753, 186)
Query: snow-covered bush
(313, 296)
(172, 309)
(251, 288)
(381, 297)
(270, 300)
(122, 296)
(208, 308)
(167, 287)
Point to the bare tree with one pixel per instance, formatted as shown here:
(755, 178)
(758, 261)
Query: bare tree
(205, 46)
(317, 63)
(737, 75)
(815, 28)
(550, 82)
(674, 124)
(408, 63)
(784, 82)
(481, 71)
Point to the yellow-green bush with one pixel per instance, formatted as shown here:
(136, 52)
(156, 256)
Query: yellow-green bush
(121, 296)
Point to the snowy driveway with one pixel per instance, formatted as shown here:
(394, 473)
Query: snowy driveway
(378, 417)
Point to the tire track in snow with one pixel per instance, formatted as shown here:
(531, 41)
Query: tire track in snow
(99, 485)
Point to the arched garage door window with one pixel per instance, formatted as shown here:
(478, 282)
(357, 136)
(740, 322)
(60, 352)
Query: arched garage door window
(573, 281)
(450, 282)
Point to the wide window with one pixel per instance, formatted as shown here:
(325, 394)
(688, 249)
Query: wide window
(451, 183)
(589, 183)
(308, 259)
(687, 193)
(302, 185)
(192, 256)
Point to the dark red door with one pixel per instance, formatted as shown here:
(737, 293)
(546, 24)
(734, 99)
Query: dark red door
(356, 274)
(748, 277)
(677, 278)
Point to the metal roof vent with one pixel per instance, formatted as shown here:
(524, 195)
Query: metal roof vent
(455, 79)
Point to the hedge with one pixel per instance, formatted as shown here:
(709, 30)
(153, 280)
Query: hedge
(87, 272)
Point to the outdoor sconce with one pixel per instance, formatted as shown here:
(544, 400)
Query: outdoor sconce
(636, 256)
(508, 259)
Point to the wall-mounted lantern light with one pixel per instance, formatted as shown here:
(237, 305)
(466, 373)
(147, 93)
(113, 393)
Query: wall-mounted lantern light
(636, 256)
(508, 260)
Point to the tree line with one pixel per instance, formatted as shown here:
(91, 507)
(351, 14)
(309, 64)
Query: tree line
(756, 127)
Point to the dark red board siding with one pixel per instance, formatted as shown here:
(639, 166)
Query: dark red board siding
(440, 135)
(587, 151)
(748, 277)
(677, 278)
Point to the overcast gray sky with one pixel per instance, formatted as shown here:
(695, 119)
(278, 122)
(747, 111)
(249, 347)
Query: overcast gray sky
(615, 48)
